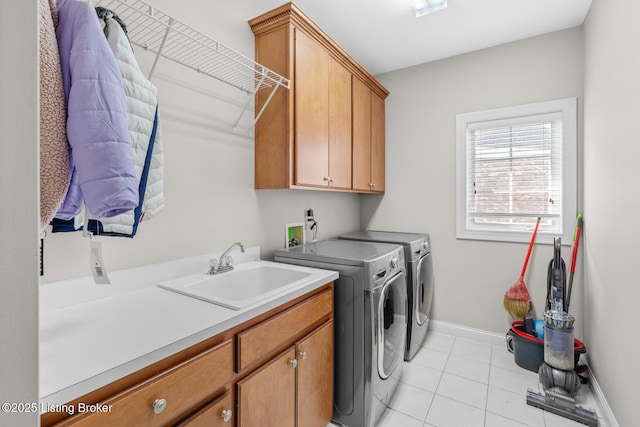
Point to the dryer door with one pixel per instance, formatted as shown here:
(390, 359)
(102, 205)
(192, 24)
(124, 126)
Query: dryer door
(391, 323)
(424, 291)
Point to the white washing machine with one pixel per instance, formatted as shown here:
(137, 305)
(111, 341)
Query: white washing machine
(417, 251)
(370, 306)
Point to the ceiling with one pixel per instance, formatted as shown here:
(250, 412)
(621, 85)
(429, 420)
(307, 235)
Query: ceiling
(385, 35)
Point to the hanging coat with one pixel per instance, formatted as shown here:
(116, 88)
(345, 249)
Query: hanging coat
(103, 173)
(55, 173)
(144, 131)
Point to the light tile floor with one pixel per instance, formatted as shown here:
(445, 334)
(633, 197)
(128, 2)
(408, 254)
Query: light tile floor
(463, 382)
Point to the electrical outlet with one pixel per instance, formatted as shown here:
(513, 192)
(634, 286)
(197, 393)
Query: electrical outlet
(310, 223)
(308, 216)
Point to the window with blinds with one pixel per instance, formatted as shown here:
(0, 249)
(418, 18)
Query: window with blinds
(515, 165)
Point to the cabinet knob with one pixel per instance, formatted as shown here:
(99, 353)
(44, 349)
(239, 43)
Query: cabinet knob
(303, 355)
(293, 363)
(159, 405)
(328, 180)
(226, 415)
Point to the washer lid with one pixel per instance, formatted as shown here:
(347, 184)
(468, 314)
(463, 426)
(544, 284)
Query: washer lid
(415, 241)
(344, 252)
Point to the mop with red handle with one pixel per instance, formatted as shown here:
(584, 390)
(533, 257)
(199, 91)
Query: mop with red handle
(517, 300)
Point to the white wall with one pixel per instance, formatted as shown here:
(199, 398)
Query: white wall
(611, 199)
(210, 199)
(471, 277)
(18, 209)
(211, 202)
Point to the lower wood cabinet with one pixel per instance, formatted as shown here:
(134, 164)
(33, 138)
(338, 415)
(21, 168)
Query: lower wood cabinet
(267, 397)
(293, 389)
(285, 377)
(314, 397)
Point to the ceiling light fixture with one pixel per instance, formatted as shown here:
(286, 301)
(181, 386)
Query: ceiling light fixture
(424, 7)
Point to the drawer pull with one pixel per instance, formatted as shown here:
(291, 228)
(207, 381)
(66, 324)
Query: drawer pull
(159, 405)
(293, 363)
(303, 355)
(226, 415)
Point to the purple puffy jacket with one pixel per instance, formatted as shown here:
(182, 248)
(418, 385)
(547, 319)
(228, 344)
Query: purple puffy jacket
(103, 174)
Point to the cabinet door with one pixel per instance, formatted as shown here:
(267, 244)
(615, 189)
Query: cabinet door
(266, 398)
(311, 112)
(315, 377)
(361, 136)
(339, 126)
(274, 130)
(377, 143)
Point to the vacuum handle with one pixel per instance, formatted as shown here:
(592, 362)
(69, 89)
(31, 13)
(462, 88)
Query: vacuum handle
(558, 277)
(557, 249)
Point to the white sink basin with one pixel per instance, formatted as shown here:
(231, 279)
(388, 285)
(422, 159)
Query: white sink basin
(246, 285)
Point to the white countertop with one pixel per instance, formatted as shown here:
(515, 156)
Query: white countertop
(92, 335)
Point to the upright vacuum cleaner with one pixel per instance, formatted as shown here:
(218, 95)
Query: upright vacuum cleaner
(557, 374)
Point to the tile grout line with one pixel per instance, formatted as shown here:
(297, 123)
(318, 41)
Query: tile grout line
(435, 392)
(486, 399)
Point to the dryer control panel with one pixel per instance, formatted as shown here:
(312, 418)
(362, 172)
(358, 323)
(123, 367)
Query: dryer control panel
(388, 266)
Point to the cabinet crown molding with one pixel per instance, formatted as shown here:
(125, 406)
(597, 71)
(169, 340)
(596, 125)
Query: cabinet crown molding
(291, 14)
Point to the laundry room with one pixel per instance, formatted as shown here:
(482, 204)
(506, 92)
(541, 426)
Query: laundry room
(234, 186)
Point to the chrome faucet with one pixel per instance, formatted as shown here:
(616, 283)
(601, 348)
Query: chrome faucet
(225, 263)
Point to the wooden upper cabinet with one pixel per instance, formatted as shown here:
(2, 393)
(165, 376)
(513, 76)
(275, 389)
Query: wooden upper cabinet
(377, 143)
(368, 139)
(274, 130)
(311, 112)
(339, 125)
(304, 138)
(361, 136)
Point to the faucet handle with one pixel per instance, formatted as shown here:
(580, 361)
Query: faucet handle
(213, 264)
(226, 261)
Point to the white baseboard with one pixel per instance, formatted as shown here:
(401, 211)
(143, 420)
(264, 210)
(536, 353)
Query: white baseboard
(499, 339)
(469, 333)
(607, 412)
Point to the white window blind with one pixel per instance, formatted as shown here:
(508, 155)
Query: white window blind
(515, 165)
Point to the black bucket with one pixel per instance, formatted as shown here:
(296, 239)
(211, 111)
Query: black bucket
(528, 351)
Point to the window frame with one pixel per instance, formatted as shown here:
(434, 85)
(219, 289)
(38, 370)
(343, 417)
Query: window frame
(567, 107)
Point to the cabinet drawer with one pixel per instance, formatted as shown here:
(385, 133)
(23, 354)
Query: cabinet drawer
(214, 414)
(275, 332)
(183, 387)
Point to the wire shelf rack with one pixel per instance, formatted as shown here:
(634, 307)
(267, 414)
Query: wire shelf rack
(166, 37)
